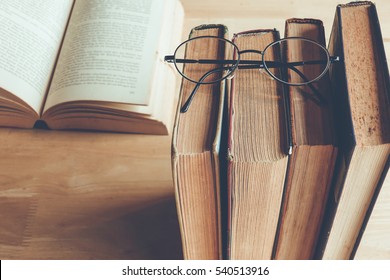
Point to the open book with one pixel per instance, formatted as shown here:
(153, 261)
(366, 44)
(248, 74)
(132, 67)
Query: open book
(88, 64)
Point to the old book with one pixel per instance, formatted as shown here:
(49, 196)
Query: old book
(257, 153)
(93, 65)
(362, 87)
(314, 151)
(374, 237)
(195, 155)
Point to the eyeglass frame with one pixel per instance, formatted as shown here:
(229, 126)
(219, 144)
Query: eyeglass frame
(251, 64)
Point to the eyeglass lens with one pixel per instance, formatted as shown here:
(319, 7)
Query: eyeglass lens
(303, 61)
(206, 59)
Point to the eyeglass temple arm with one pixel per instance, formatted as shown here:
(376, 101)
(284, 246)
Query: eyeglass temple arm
(187, 104)
(243, 63)
(171, 59)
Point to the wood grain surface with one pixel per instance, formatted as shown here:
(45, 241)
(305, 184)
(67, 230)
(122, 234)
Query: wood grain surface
(82, 195)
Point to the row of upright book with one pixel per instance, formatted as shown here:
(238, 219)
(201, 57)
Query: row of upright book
(262, 171)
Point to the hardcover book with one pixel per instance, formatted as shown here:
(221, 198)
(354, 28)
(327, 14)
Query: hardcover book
(314, 152)
(257, 153)
(195, 153)
(361, 89)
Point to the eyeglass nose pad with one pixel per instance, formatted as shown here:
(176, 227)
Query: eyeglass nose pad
(231, 76)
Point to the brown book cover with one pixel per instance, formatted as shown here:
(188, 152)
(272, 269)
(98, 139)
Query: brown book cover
(361, 88)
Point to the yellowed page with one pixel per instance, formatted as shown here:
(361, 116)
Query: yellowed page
(30, 34)
(109, 52)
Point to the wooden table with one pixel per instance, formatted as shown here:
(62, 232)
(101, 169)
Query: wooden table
(82, 195)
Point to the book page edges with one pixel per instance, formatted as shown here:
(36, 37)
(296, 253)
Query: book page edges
(347, 236)
(214, 153)
(280, 152)
(370, 208)
(320, 183)
(15, 112)
(261, 185)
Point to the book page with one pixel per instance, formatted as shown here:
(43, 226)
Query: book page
(109, 52)
(30, 34)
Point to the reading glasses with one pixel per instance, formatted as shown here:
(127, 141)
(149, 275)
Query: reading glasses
(294, 61)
